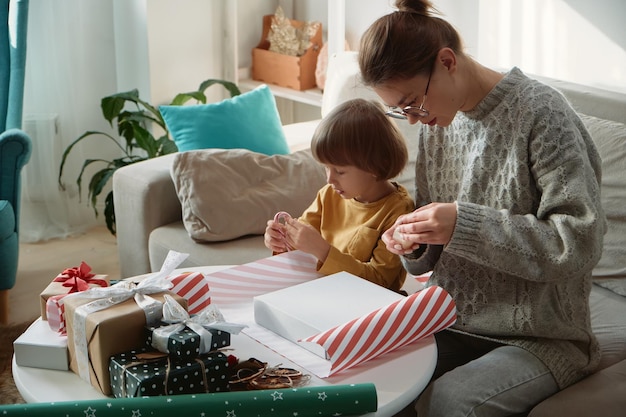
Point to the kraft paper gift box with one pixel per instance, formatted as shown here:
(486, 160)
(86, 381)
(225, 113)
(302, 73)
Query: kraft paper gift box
(41, 347)
(107, 332)
(303, 310)
(145, 372)
(65, 283)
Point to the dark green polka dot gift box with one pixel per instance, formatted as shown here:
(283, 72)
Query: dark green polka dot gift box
(147, 372)
(186, 343)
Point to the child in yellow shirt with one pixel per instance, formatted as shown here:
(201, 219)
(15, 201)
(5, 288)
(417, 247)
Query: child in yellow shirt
(361, 150)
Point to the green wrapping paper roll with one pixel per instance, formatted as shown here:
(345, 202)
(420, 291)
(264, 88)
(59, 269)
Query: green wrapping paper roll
(331, 400)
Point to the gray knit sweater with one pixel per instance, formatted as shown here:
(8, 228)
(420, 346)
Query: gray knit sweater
(525, 175)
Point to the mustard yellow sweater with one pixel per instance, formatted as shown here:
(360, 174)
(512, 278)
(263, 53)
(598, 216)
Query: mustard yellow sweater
(353, 230)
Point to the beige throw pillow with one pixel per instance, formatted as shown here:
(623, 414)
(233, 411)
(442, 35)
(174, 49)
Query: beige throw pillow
(228, 193)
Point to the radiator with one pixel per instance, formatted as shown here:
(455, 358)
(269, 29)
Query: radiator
(39, 177)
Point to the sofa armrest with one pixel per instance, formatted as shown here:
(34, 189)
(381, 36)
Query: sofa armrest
(600, 394)
(144, 198)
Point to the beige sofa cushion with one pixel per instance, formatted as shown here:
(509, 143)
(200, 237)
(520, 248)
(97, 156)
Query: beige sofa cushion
(610, 139)
(226, 194)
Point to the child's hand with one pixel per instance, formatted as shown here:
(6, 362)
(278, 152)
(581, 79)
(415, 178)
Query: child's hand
(274, 237)
(306, 238)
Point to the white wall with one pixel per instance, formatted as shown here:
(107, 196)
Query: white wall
(82, 50)
(574, 40)
(166, 47)
(596, 42)
(359, 15)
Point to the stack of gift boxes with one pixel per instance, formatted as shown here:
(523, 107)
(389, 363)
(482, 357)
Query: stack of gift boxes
(159, 336)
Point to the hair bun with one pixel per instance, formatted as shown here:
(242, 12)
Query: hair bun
(414, 6)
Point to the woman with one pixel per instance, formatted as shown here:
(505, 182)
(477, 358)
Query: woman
(508, 219)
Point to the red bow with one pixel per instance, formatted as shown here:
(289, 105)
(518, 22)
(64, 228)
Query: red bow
(76, 284)
(80, 273)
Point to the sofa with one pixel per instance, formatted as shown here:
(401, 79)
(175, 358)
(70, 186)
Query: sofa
(151, 219)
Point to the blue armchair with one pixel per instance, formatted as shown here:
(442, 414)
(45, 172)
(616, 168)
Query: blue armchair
(15, 145)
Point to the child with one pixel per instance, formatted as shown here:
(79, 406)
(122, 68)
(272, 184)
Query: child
(361, 150)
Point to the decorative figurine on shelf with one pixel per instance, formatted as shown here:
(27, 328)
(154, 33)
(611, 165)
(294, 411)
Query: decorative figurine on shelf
(321, 67)
(286, 39)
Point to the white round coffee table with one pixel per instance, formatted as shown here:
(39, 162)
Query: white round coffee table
(399, 376)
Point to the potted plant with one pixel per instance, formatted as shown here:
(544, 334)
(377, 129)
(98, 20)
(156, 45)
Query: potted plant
(138, 144)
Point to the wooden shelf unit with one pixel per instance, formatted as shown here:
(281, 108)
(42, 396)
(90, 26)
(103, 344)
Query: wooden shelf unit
(336, 36)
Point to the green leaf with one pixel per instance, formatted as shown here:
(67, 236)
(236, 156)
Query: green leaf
(97, 183)
(129, 160)
(153, 110)
(145, 141)
(79, 179)
(71, 146)
(139, 117)
(182, 98)
(109, 213)
(168, 146)
(199, 95)
(230, 86)
(112, 105)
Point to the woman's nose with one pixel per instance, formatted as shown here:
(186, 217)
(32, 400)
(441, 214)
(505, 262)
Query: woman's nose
(413, 119)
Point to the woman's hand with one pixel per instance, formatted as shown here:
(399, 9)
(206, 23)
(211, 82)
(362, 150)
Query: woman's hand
(431, 224)
(306, 238)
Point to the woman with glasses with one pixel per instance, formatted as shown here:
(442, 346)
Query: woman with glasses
(508, 216)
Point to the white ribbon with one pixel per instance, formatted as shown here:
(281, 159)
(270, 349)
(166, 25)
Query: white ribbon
(106, 297)
(209, 318)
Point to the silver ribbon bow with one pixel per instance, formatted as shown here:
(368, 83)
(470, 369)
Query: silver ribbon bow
(105, 297)
(210, 318)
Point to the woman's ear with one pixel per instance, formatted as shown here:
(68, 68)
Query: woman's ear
(447, 58)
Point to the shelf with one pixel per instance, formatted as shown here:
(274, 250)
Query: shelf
(312, 97)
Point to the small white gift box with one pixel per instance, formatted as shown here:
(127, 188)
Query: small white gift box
(41, 347)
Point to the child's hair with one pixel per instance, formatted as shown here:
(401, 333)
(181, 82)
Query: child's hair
(358, 133)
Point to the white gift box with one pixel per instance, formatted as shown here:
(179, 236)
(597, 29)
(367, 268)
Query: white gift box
(306, 309)
(41, 347)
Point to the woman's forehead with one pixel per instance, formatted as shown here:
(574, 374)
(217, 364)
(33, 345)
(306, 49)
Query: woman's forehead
(397, 92)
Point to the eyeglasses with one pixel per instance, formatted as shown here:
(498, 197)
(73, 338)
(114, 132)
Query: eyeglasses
(405, 112)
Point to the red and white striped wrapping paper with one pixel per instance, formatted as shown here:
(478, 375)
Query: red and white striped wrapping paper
(387, 328)
(241, 283)
(193, 287)
(55, 313)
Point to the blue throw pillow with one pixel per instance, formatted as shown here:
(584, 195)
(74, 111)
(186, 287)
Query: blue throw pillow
(247, 121)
